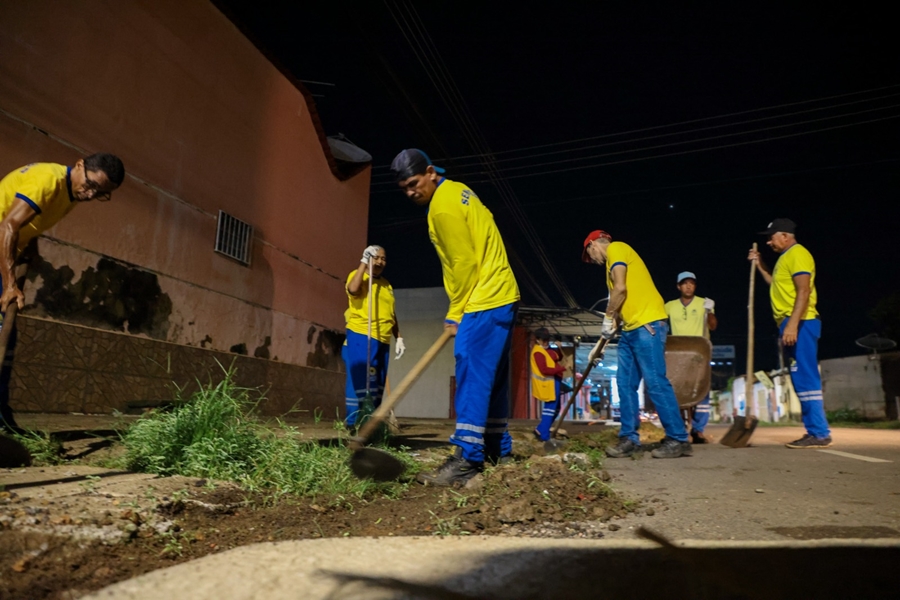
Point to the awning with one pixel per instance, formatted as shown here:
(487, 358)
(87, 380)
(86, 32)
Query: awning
(567, 322)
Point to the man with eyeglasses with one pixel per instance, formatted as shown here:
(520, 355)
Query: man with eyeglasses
(484, 298)
(692, 315)
(33, 199)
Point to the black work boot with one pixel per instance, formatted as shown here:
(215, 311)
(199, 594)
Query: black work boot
(672, 448)
(625, 448)
(455, 471)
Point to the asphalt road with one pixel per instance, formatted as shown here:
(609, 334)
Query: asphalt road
(767, 491)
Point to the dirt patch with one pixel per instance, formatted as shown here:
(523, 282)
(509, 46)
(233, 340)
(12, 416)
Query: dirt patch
(64, 540)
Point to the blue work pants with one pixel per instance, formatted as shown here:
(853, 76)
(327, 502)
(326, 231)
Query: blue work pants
(803, 358)
(642, 355)
(481, 349)
(354, 355)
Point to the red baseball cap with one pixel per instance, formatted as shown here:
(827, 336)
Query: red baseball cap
(594, 235)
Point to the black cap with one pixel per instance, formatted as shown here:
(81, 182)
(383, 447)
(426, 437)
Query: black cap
(782, 225)
(412, 162)
(542, 334)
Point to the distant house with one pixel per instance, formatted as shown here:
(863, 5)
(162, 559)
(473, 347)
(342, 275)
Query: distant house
(230, 238)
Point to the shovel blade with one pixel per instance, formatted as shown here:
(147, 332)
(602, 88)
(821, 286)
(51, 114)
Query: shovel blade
(551, 445)
(374, 464)
(741, 431)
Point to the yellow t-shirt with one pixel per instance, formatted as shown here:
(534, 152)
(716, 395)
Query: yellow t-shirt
(477, 275)
(383, 317)
(46, 188)
(794, 261)
(542, 387)
(687, 320)
(643, 304)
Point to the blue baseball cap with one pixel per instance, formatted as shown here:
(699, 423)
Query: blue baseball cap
(686, 275)
(412, 162)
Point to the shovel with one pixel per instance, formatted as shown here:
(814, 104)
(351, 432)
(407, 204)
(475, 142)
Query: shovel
(743, 427)
(552, 445)
(372, 463)
(13, 453)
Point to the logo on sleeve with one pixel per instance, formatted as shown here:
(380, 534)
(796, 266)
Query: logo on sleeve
(466, 194)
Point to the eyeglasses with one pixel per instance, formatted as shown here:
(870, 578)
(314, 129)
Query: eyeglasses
(94, 187)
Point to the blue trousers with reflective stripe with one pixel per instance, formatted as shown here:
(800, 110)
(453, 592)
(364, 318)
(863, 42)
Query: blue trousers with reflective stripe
(701, 415)
(354, 355)
(641, 354)
(803, 358)
(481, 350)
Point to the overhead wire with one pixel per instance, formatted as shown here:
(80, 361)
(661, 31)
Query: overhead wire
(426, 52)
(678, 123)
(686, 132)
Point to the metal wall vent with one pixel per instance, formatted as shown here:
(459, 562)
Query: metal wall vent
(234, 238)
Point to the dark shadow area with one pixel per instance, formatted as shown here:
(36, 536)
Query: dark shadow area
(823, 532)
(90, 449)
(73, 435)
(686, 573)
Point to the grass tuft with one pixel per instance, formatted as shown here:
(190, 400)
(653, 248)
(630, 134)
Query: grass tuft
(214, 434)
(44, 449)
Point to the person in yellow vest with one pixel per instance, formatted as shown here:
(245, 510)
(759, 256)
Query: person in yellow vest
(33, 199)
(692, 315)
(546, 372)
(384, 325)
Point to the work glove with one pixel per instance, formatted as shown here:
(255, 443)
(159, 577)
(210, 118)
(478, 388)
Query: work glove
(368, 253)
(401, 348)
(596, 352)
(709, 304)
(608, 329)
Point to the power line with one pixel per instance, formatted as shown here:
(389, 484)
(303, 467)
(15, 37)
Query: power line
(687, 142)
(686, 132)
(426, 52)
(676, 124)
(680, 153)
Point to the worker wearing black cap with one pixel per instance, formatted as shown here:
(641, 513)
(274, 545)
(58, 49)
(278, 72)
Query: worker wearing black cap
(792, 292)
(483, 299)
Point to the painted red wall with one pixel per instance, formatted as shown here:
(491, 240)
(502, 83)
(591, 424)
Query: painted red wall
(203, 122)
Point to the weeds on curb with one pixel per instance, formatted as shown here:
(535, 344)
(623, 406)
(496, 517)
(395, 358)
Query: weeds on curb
(44, 449)
(215, 435)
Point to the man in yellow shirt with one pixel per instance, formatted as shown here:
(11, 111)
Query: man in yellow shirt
(483, 297)
(792, 292)
(635, 301)
(384, 324)
(692, 315)
(33, 199)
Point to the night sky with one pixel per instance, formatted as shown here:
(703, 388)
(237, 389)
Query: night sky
(675, 156)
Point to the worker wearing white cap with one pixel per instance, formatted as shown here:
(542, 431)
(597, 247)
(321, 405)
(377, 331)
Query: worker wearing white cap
(692, 315)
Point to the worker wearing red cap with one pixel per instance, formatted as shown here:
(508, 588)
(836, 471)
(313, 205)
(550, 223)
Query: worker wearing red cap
(635, 302)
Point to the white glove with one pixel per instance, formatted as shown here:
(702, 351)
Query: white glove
(709, 304)
(608, 329)
(367, 254)
(401, 348)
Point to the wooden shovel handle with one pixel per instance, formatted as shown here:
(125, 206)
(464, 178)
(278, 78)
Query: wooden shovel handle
(748, 394)
(382, 411)
(578, 386)
(9, 320)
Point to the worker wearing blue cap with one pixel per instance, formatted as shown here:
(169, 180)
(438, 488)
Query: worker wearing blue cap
(692, 315)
